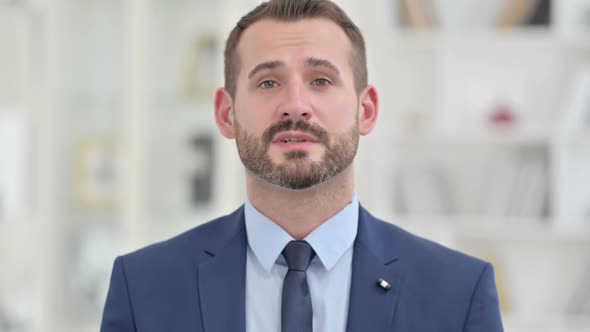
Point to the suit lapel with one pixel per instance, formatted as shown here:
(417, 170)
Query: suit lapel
(221, 279)
(372, 307)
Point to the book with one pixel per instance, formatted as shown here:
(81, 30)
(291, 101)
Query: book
(576, 116)
(423, 189)
(519, 184)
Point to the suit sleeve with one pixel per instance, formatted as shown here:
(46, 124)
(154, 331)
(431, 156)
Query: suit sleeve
(118, 315)
(484, 310)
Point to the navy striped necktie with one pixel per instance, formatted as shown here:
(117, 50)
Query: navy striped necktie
(296, 310)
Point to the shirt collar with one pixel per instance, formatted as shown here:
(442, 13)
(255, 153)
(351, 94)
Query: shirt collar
(330, 240)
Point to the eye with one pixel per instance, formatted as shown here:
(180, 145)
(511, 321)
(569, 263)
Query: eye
(321, 82)
(268, 84)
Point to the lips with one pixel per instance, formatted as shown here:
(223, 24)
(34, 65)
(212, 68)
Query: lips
(294, 137)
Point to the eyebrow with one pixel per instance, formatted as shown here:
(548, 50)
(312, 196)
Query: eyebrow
(268, 65)
(317, 62)
(313, 62)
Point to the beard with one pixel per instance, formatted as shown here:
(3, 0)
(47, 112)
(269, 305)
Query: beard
(297, 171)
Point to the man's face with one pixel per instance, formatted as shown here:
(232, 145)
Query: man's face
(296, 110)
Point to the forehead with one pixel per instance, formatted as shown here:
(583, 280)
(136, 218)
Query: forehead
(269, 40)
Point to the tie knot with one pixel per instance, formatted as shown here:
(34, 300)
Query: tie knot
(298, 255)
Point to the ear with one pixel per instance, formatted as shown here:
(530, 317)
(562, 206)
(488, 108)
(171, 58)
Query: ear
(224, 113)
(368, 110)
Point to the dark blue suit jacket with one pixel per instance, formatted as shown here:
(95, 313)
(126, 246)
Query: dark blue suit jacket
(196, 282)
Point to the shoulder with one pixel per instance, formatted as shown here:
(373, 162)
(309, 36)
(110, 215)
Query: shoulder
(420, 253)
(432, 273)
(189, 247)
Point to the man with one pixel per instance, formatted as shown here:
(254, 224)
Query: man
(301, 254)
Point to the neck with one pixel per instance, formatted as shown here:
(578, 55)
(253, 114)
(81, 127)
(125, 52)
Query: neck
(299, 212)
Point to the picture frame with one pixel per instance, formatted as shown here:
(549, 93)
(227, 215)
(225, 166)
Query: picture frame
(417, 13)
(198, 82)
(97, 173)
(459, 14)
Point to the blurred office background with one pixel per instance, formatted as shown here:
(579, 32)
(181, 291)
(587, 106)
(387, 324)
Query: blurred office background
(108, 143)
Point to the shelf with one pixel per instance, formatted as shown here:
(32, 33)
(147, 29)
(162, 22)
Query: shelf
(579, 42)
(519, 33)
(546, 323)
(523, 231)
(492, 137)
(473, 137)
(577, 137)
(519, 38)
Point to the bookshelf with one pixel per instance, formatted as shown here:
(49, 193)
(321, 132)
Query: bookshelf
(438, 112)
(116, 75)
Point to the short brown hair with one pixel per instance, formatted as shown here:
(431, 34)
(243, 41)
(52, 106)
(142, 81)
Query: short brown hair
(293, 11)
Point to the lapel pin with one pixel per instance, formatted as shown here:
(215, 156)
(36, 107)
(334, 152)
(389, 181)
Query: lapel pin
(384, 284)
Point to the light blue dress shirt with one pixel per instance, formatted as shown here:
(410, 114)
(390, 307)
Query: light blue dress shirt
(328, 275)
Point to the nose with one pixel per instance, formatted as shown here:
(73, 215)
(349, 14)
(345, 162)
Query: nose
(296, 104)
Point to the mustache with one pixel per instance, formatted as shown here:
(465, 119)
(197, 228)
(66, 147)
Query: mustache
(320, 133)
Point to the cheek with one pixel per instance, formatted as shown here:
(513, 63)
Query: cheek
(339, 113)
(253, 117)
